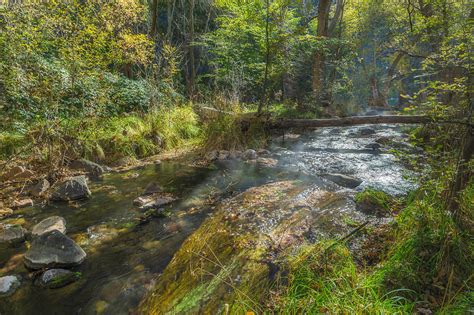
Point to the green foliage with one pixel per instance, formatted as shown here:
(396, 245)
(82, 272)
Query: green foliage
(327, 281)
(375, 201)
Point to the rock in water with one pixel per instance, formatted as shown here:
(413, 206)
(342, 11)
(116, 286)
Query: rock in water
(8, 285)
(12, 234)
(49, 224)
(249, 155)
(152, 188)
(366, 131)
(40, 188)
(57, 278)
(153, 201)
(343, 180)
(72, 189)
(249, 236)
(53, 249)
(87, 166)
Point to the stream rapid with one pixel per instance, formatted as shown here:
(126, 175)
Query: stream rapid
(125, 255)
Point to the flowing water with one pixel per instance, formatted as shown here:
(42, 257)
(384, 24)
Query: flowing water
(124, 256)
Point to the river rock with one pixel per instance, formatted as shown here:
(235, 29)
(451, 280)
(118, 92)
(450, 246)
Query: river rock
(87, 166)
(72, 189)
(373, 146)
(8, 285)
(249, 155)
(57, 278)
(153, 201)
(23, 203)
(244, 243)
(263, 152)
(17, 173)
(39, 189)
(53, 249)
(343, 180)
(49, 224)
(366, 131)
(267, 162)
(12, 234)
(152, 188)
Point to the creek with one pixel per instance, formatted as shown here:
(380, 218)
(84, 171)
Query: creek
(126, 255)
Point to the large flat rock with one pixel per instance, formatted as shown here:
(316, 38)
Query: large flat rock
(53, 249)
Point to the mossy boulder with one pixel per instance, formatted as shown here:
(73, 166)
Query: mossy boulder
(234, 257)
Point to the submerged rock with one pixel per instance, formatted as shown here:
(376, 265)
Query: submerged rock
(12, 234)
(72, 189)
(91, 168)
(8, 285)
(236, 252)
(49, 224)
(53, 249)
(267, 162)
(366, 131)
(39, 189)
(152, 188)
(153, 201)
(57, 278)
(343, 180)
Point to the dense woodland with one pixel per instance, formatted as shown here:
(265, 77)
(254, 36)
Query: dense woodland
(119, 81)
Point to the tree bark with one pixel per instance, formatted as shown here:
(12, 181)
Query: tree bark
(263, 99)
(154, 17)
(319, 58)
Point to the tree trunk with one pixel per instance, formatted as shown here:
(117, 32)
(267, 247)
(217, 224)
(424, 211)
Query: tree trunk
(191, 62)
(263, 99)
(154, 17)
(318, 58)
(346, 121)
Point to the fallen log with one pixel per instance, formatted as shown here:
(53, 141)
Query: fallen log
(346, 121)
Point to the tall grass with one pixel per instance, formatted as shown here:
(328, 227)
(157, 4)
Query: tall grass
(327, 281)
(105, 139)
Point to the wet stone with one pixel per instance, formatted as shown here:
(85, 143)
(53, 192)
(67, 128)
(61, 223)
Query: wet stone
(249, 155)
(72, 189)
(53, 249)
(366, 131)
(8, 285)
(91, 168)
(153, 201)
(152, 188)
(56, 278)
(49, 224)
(343, 180)
(12, 234)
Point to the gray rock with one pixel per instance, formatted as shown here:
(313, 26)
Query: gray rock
(8, 285)
(12, 234)
(72, 189)
(39, 189)
(152, 188)
(268, 162)
(87, 166)
(343, 180)
(373, 146)
(249, 155)
(53, 249)
(263, 152)
(49, 224)
(153, 201)
(57, 278)
(366, 131)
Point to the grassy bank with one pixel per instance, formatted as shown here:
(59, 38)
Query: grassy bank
(428, 267)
